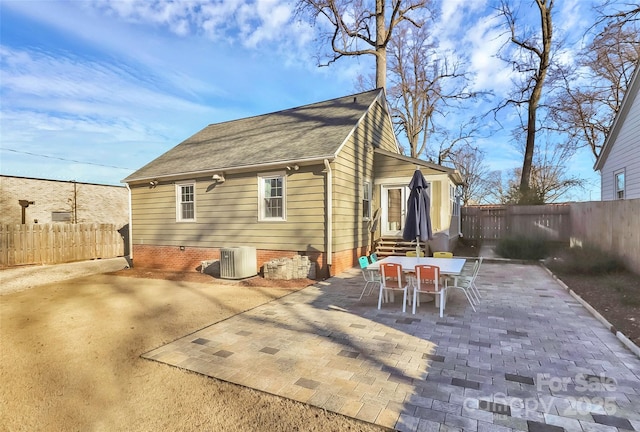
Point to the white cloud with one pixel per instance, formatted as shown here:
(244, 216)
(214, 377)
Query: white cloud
(472, 31)
(454, 14)
(62, 105)
(272, 21)
(571, 17)
(484, 40)
(176, 16)
(252, 23)
(65, 83)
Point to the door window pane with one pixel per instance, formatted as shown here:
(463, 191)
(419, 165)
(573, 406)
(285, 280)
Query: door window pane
(394, 209)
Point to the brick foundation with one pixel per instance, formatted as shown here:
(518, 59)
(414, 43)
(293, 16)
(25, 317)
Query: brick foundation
(346, 259)
(190, 258)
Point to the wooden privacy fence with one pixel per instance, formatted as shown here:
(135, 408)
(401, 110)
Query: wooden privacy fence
(58, 243)
(551, 222)
(611, 226)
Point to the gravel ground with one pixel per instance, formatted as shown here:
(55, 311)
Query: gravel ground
(75, 333)
(16, 279)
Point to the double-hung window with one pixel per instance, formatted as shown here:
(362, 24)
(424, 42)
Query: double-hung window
(186, 202)
(366, 200)
(619, 184)
(272, 197)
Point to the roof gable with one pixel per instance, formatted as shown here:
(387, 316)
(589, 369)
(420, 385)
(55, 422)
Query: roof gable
(309, 132)
(619, 119)
(453, 174)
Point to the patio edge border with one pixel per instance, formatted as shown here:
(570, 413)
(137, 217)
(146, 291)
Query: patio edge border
(631, 346)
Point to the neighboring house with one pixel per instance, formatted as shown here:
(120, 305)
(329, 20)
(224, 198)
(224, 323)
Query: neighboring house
(307, 180)
(619, 160)
(55, 201)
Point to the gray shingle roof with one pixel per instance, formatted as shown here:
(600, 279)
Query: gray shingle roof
(312, 131)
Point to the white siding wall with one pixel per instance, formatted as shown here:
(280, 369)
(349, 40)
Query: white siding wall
(624, 154)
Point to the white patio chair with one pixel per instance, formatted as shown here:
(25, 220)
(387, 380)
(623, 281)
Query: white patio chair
(472, 275)
(463, 283)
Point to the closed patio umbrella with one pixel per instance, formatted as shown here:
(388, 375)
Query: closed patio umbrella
(418, 221)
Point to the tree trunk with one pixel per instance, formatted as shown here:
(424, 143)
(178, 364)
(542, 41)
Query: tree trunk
(525, 179)
(534, 100)
(381, 46)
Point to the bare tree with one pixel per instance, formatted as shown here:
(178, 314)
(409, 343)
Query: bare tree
(360, 27)
(424, 82)
(550, 179)
(498, 188)
(531, 62)
(594, 90)
(469, 161)
(448, 141)
(620, 13)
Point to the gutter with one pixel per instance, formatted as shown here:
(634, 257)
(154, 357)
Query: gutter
(329, 211)
(237, 169)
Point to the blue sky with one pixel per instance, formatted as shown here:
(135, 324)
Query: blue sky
(92, 90)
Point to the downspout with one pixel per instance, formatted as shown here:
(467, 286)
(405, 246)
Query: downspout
(75, 202)
(130, 228)
(458, 197)
(329, 210)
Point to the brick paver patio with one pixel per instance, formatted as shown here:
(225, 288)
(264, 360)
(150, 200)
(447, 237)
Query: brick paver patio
(530, 359)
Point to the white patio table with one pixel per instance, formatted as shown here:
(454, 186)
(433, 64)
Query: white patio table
(448, 266)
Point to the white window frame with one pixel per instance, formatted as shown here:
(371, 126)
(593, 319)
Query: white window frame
(261, 196)
(179, 202)
(616, 190)
(366, 197)
(454, 198)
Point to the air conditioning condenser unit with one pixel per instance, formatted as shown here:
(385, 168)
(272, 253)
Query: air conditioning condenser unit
(238, 262)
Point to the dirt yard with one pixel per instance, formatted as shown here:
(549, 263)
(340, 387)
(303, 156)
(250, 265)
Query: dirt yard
(70, 359)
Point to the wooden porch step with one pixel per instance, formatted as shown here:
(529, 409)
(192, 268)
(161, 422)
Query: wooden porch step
(394, 247)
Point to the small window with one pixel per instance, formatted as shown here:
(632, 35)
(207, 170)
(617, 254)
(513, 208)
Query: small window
(619, 184)
(185, 202)
(453, 199)
(272, 198)
(60, 216)
(366, 200)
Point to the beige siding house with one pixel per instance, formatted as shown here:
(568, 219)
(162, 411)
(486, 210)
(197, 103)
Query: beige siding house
(323, 180)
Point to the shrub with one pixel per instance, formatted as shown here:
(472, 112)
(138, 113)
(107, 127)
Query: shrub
(466, 247)
(522, 248)
(587, 260)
